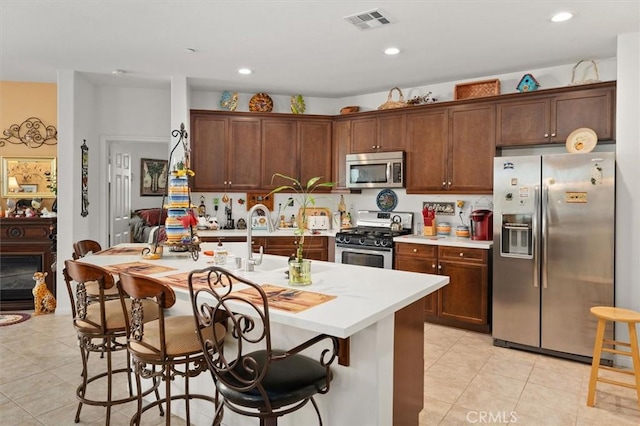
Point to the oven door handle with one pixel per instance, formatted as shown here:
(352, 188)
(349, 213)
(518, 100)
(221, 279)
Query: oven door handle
(365, 249)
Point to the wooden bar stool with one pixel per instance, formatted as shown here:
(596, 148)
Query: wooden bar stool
(604, 314)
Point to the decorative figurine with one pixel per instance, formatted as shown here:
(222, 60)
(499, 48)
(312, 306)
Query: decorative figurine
(528, 83)
(43, 300)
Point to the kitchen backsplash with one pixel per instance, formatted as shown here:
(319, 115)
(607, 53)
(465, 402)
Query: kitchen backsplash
(364, 201)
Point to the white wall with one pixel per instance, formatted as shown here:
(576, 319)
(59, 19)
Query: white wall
(628, 176)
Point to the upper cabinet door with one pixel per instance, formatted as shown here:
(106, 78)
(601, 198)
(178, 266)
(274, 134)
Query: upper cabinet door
(315, 150)
(279, 146)
(471, 148)
(523, 122)
(427, 146)
(341, 146)
(583, 108)
(364, 134)
(391, 132)
(208, 152)
(244, 157)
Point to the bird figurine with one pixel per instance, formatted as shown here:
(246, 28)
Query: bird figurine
(297, 104)
(229, 101)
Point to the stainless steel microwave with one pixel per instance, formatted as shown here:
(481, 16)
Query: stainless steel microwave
(375, 170)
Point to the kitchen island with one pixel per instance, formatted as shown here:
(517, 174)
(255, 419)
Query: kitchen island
(377, 312)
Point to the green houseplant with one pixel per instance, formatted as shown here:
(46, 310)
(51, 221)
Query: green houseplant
(299, 267)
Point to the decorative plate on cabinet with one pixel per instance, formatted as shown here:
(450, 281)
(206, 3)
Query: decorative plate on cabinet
(582, 140)
(387, 200)
(261, 102)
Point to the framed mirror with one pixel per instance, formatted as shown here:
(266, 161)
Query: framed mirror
(28, 177)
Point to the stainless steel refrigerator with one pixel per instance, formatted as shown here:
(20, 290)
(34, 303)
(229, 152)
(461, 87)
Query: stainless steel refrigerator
(553, 250)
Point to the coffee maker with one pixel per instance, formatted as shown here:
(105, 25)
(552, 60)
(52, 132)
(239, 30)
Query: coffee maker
(482, 225)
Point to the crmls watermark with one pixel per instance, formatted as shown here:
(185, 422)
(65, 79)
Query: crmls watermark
(492, 417)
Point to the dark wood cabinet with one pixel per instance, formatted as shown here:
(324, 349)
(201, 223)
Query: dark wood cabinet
(26, 247)
(341, 146)
(465, 301)
(419, 258)
(209, 153)
(315, 247)
(242, 151)
(384, 132)
(471, 148)
(550, 117)
(314, 146)
(244, 161)
(279, 146)
(451, 149)
(449, 146)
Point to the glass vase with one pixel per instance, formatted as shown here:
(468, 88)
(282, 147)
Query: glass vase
(300, 272)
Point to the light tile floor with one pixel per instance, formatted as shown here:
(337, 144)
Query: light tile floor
(467, 381)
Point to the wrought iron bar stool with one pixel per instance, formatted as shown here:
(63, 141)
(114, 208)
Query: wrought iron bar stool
(166, 347)
(631, 318)
(100, 326)
(81, 249)
(261, 382)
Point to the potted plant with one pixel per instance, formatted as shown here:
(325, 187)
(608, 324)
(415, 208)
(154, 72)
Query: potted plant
(299, 267)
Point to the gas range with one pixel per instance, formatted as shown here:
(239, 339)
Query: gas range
(370, 243)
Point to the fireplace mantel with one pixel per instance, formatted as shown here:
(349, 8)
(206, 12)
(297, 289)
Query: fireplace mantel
(26, 246)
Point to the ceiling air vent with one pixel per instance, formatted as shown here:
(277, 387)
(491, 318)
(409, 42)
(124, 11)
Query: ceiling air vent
(375, 18)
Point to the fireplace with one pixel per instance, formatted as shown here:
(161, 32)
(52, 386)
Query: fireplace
(26, 246)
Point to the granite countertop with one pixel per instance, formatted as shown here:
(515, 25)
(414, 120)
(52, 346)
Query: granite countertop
(444, 241)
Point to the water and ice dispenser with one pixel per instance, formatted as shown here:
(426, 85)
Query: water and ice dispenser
(517, 235)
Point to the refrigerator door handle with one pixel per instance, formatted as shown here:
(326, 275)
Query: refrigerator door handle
(544, 236)
(534, 234)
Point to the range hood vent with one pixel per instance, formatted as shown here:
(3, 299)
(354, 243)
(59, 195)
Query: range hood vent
(368, 20)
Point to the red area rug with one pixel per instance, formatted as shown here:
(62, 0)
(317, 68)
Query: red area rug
(13, 318)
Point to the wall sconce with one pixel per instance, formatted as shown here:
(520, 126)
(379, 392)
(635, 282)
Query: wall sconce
(13, 185)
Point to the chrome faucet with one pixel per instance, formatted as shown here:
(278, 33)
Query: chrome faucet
(249, 264)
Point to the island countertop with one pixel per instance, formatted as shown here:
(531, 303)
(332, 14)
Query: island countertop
(364, 295)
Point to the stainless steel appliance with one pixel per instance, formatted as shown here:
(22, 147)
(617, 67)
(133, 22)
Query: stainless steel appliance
(375, 170)
(554, 244)
(370, 243)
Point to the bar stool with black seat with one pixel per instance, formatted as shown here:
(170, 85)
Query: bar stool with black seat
(81, 249)
(100, 326)
(169, 343)
(631, 318)
(265, 382)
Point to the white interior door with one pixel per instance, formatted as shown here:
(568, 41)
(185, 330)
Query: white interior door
(120, 194)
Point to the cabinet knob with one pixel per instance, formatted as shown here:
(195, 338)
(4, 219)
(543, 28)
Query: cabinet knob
(433, 266)
(378, 146)
(449, 183)
(444, 183)
(461, 254)
(295, 243)
(415, 250)
(553, 134)
(439, 267)
(546, 135)
(373, 147)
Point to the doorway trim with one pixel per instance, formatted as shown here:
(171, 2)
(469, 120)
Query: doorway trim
(105, 149)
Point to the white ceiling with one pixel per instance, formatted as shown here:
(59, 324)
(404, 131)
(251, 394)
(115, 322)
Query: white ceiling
(301, 46)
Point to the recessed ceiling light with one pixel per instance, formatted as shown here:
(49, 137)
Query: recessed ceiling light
(561, 17)
(244, 71)
(391, 51)
(118, 73)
